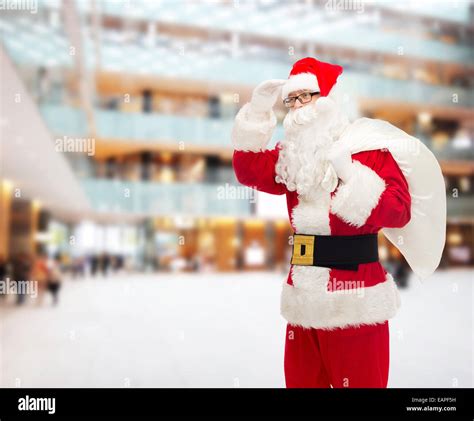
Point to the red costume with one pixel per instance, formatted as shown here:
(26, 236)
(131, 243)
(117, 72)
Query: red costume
(337, 333)
(308, 303)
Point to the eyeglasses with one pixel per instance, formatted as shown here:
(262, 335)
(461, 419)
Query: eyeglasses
(303, 98)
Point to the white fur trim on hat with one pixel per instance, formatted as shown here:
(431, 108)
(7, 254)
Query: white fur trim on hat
(300, 81)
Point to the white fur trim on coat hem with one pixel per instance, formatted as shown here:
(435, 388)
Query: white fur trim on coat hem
(354, 201)
(339, 309)
(252, 131)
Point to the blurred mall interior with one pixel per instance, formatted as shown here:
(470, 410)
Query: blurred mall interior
(116, 120)
(134, 105)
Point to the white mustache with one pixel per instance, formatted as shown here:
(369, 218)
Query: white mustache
(300, 116)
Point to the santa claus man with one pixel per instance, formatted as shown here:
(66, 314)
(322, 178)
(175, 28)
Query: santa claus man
(344, 182)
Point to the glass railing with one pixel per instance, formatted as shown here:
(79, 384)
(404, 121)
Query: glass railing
(409, 91)
(166, 128)
(453, 11)
(355, 84)
(36, 44)
(453, 149)
(460, 207)
(169, 129)
(30, 40)
(63, 120)
(364, 31)
(451, 153)
(150, 198)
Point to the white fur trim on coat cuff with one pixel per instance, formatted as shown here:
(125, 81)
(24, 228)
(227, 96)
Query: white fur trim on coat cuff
(252, 131)
(354, 201)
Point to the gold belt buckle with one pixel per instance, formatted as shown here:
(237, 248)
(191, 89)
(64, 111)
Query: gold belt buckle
(303, 250)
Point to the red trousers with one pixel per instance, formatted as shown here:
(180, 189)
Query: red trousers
(349, 357)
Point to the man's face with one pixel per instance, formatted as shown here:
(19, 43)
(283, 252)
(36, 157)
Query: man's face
(302, 98)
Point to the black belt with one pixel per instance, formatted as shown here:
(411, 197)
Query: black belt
(334, 251)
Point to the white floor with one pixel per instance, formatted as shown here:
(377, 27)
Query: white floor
(213, 330)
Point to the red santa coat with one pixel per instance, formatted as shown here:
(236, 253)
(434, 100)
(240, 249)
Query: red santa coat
(376, 196)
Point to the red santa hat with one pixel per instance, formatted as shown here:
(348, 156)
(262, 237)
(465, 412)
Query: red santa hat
(309, 73)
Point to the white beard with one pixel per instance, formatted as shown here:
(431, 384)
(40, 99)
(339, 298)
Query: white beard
(309, 134)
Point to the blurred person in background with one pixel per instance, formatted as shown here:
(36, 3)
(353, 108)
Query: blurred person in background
(396, 264)
(21, 271)
(78, 267)
(54, 278)
(343, 181)
(3, 274)
(105, 261)
(94, 263)
(40, 275)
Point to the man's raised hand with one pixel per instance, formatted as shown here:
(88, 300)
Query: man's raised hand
(265, 95)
